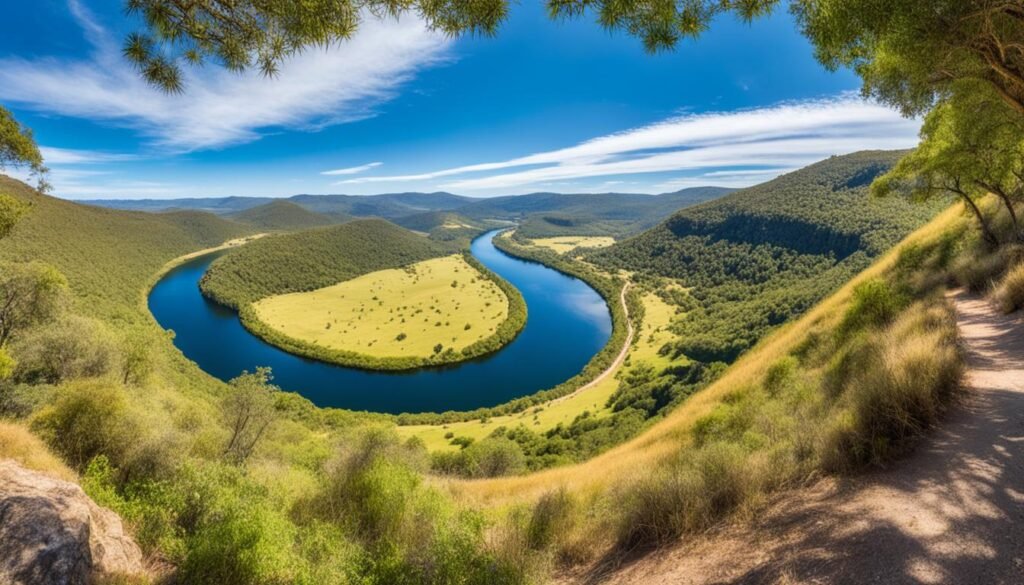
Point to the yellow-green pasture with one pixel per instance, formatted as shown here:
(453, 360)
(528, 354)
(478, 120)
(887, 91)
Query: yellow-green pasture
(564, 244)
(399, 312)
(652, 335)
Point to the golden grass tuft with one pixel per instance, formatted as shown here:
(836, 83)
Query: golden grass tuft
(18, 443)
(1009, 293)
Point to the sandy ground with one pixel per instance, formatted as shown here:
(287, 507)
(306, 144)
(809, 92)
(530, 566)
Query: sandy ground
(951, 513)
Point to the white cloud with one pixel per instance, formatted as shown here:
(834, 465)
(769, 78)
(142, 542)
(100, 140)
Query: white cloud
(67, 156)
(353, 170)
(314, 89)
(774, 139)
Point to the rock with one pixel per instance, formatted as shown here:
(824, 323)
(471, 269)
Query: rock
(51, 532)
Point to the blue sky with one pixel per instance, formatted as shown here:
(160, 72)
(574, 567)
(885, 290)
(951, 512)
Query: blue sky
(544, 106)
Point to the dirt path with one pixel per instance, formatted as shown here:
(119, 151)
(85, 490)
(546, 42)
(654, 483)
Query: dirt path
(951, 513)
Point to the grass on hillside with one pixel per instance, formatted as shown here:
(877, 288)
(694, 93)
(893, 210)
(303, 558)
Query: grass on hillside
(399, 312)
(565, 244)
(18, 443)
(594, 400)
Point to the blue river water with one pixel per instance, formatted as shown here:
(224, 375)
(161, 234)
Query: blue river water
(567, 323)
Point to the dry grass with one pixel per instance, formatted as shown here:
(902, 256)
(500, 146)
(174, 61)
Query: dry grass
(18, 443)
(394, 313)
(1009, 294)
(664, 439)
(564, 244)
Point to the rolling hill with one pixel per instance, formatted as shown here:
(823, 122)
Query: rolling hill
(282, 215)
(540, 214)
(107, 255)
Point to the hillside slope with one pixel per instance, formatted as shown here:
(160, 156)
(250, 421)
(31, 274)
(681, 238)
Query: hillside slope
(282, 215)
(754, 258)
(107, 255)
(313, 259)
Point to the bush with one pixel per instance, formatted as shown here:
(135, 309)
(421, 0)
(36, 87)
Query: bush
(691, 494)
(1009, 293)
(75, 347)
(553, 517)
(88, 419)
(489, 457)
(874, 303)
(908, 374)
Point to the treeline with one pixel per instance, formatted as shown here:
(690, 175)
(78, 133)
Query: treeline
(608, 288)
(504, 333)
(758, 257)
(313, 259)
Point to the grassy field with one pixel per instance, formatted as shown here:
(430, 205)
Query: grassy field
(653, 334)
(564, 244)
(394, 313)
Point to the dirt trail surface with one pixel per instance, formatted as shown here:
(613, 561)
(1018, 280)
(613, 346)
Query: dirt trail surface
(951, 513)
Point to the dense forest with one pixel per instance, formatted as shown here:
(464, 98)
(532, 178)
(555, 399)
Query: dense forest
(313, 259)
(757, 257)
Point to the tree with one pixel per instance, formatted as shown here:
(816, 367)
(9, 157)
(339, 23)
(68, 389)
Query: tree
(261, 33)
(18, 150)
(137, 359)
(30, 293)
(248, 410)
(972, 144)
(70, 348)
(910, 53)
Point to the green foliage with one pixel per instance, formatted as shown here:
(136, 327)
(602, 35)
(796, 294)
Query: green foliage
(17, 149)
(72, 347)
(11, 210)
(760, 256)
(30, 293)
(248, 411)
(1009, 293)
(7, 365)
(910, 53)
(874, 304)
(491, 457)
(282, 215)
(971, 145)
(88, 419)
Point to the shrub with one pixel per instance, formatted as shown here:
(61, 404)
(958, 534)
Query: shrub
(1009, 293)
(87, 419)
(553, 517)
(702, 487)
(75, 347)
(489, 457)
(978, 271)
(874, 303)
(913, 371)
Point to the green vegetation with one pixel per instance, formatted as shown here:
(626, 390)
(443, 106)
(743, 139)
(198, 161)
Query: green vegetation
(18, 149)
(473, 317)
(756, 258)
(313, 259)
(282, 215)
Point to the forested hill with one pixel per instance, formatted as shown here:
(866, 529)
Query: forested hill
(106, 254)
(759, 256)
(313, 259)
(283, 215)
(594, 214)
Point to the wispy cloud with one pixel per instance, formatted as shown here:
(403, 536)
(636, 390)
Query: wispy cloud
(314, 89)
(353, 170)
(67, 156)
(740, 146)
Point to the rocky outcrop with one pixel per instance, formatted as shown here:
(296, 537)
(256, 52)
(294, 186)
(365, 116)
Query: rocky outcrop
(51, 532)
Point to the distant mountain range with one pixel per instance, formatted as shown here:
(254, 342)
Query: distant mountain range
(540, 214)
